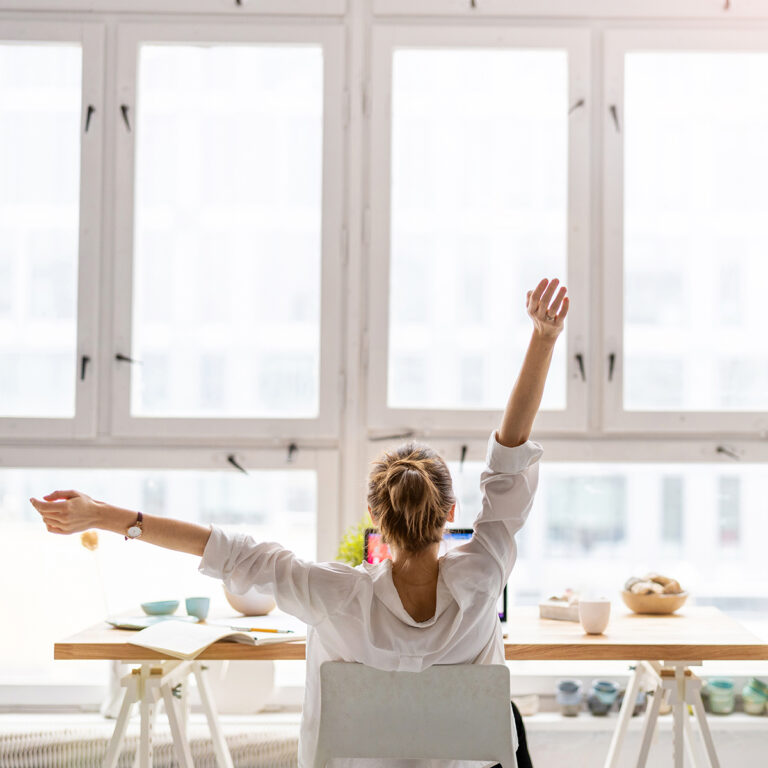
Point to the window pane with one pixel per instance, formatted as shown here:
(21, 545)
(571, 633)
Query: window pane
(228, 231)
(592, 526)
(40, 95)
(77, 588)
(695, 231)
(479, 215)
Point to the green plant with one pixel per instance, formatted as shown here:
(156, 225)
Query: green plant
(353, 542)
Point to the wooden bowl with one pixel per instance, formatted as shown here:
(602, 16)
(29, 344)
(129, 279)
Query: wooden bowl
(653, 603)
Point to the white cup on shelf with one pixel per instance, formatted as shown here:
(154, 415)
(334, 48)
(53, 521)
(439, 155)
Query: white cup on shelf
(594, 615)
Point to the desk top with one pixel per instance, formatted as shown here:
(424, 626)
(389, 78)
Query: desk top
(693, 634)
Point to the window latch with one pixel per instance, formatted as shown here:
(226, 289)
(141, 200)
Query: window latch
(580, 361)
(577, 105)
(462, 457)
(236, 464)
(728, 452)
(292, 448)
(88, 114)
(124, 110)
(84, 360)
(611, 364)
(399, 436)
(615, 116)
(126, 359)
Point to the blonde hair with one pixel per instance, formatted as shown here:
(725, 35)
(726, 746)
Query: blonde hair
(410, 494)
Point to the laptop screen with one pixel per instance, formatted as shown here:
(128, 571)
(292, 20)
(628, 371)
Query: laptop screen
(376, 551)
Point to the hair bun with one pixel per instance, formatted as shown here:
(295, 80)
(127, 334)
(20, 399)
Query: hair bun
(411, 494)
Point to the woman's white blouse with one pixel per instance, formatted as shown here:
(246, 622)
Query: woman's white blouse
(355, 614)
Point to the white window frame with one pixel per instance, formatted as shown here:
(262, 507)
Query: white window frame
(572, 9)
(615, 419)
(91, 39)
(326, 425)
(386, 39)
(228, 7)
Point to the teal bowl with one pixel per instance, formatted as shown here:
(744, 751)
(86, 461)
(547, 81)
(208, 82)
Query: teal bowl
(160, 607)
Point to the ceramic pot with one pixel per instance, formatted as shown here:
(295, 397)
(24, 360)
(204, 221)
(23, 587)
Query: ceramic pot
(602, 696)
(569, 697)
(722, 697)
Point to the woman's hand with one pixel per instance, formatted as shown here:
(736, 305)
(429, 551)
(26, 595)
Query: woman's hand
(548, 315)
(68, 511)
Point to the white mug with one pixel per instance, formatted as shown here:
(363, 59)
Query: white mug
(594, 615)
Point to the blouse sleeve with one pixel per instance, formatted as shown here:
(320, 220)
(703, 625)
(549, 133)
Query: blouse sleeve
(309, 591)
(508, 485)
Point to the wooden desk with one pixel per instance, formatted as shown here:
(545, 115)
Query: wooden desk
(663, 647)
(701, 634)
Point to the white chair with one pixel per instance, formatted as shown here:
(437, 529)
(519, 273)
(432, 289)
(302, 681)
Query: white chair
(448, 711)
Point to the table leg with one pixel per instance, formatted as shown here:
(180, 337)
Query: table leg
(183, 752)
(692, 743)
(625, 715)
(651, 716)
(701, 716)
(220, 748)
(130, 697)
(147, 708)
(678, 747)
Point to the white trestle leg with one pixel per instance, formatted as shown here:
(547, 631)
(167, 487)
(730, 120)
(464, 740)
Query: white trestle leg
(625, 715)
(220, 749)
(674, 681)
(166, 681)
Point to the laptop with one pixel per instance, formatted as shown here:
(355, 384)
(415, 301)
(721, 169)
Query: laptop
(375, 550)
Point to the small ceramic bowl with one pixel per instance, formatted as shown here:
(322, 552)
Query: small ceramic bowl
(252, 603)
(653, 603)
(160, 607)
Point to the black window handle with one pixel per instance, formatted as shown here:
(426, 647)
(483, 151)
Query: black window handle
(126, 359)
(236, 464)
(615, 116)
(91, 110)
(84, 360)
(580, 361)
(611, 364)
(124, 110)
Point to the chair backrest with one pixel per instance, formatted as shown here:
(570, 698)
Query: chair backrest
(448, 711)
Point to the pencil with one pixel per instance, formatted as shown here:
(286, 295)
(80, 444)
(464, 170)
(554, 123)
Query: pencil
(262, 629)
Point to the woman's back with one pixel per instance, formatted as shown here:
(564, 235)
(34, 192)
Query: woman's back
(368, 615)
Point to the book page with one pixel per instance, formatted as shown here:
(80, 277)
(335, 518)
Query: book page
(184, 641)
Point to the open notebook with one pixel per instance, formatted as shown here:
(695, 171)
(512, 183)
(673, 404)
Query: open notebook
(186, 641)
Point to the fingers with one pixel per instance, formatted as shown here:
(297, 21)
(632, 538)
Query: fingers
(547, 295)
(46, 506)
(61, 495)
(564, 311)
(54, 529)
(536, 296)
(554, 308)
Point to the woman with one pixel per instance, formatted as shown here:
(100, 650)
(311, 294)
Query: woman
(407, 613)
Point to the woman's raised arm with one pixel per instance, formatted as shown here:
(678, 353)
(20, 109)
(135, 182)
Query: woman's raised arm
(548, 312)
(70, 512)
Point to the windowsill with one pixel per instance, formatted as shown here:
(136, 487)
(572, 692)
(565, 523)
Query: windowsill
(541, 721)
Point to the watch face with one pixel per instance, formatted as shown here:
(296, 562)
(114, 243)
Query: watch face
(133, 532)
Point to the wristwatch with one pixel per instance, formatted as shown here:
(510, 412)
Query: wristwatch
(136, 529)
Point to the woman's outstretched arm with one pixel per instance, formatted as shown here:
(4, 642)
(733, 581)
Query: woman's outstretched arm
(548, 312)
(70, 512)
